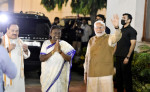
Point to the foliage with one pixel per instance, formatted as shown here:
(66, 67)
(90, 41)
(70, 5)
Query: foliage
(78, 63)
(144, 48)
(85, 7)
(141, 70)
(51, 4)
(78, 6)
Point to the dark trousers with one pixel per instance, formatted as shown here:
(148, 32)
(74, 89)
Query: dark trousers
(123, 75)
(84, 44)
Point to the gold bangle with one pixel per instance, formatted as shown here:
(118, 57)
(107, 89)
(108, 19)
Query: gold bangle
(52, 52)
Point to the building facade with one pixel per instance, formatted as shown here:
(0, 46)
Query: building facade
(35, 5)
(138, 9)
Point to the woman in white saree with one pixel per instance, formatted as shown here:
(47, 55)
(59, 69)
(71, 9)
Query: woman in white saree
(56, 56)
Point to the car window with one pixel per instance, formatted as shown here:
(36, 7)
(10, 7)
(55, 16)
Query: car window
(34, 27)
(28, 24)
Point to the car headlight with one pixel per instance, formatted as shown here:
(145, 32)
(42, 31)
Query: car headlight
(35, 43)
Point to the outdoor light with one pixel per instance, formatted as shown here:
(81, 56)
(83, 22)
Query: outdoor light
(3, 18)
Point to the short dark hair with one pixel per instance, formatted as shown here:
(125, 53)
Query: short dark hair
(54, 27)
(101, 16)
(13, 22)
(129, 16)
(85, 20)
(56, 18)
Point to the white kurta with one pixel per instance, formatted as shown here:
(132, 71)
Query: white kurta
(104, 83)
(18, 84)
(100, 84)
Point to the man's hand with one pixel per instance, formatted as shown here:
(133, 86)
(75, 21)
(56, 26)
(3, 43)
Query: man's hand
(115, 21)
(85, 78)
(25, 47)
(126, 60)
(11, 47)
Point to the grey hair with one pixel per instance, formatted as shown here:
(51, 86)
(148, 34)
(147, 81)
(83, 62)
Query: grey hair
(99, 21)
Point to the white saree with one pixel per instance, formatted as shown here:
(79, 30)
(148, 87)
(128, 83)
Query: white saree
(55, 76)
(17, 56)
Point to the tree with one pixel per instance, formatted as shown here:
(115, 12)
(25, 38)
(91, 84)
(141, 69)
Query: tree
(88, 7)
(78, 6)
(51, 4)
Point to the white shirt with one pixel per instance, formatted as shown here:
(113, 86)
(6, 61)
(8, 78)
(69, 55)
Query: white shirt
(87, 32)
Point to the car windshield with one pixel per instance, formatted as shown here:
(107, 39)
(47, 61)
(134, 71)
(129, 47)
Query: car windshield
(30, 26)
(33, 26)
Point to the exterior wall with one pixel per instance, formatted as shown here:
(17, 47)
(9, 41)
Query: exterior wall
(11, 5)
(139, 18)
(35, 5)
(134, 7)
(3, 5)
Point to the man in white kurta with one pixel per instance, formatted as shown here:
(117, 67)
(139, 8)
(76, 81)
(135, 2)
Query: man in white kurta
(18, 51)
(98, 66)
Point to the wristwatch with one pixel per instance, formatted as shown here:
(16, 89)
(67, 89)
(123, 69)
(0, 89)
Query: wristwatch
(127, 57)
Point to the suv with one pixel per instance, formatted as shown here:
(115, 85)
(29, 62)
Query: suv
(33, 30)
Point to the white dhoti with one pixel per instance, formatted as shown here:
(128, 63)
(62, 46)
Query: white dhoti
(100, 84)
(18, 85)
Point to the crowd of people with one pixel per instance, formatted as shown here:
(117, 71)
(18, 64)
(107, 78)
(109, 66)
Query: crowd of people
(57, 53)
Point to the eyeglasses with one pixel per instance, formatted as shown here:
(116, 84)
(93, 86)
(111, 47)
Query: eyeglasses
(99, 27)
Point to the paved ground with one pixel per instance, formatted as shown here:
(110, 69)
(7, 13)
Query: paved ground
(76, 85)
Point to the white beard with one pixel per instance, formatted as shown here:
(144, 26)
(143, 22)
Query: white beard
(100, 34)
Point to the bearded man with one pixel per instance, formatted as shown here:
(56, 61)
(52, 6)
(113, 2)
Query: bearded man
(98, 66)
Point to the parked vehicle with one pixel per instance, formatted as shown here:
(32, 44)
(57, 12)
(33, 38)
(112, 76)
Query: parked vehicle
(33, 30)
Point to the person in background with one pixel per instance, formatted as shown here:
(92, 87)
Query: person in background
(77, 35)
(102, 18)
(7, 67)
(87, 33)
(56, 21)
(124, 54)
